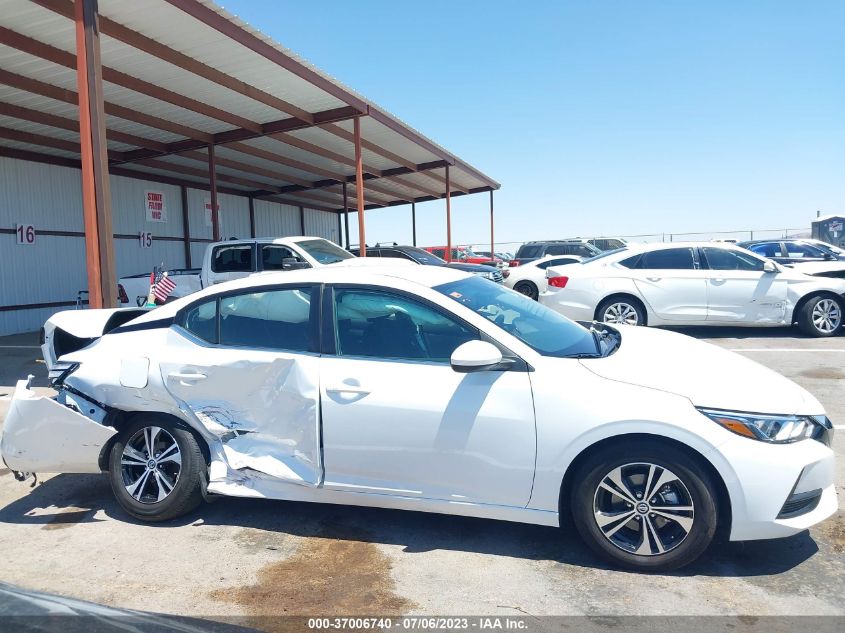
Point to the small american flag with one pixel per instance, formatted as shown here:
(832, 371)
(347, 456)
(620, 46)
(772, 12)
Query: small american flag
(162, 285)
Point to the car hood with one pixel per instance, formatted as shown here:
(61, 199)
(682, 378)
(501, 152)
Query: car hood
(707, 375)
(471, 268)
(815, 268)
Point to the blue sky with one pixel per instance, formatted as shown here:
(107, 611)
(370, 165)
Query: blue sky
(600, 117)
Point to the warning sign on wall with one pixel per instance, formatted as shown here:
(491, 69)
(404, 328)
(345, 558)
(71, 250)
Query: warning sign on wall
(154, 205)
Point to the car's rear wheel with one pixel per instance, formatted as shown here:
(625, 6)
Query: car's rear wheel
(529, 289)
(821, 316)
(156, 469)
(621, 310)
(644, 506)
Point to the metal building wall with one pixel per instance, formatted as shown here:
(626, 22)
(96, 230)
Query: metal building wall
(49, 197)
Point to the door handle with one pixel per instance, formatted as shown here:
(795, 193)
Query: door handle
(654, 278)
(347, 389)
(188, 377)
(718, 280)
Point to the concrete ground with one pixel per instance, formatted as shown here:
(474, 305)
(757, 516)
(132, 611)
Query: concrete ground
(250, 557)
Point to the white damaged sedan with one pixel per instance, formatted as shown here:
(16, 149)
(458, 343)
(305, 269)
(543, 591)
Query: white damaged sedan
(424, 388)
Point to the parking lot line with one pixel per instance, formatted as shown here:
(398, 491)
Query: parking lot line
(785, 349)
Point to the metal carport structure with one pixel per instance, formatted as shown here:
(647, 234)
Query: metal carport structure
(182, 92)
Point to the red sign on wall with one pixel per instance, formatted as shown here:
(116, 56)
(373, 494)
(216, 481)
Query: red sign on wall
(155, 207)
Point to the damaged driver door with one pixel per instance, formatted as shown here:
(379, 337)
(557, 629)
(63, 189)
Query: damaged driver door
(245, 366)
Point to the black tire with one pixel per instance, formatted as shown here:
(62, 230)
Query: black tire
(527, 288)
(184, 496)
(807, 316)
(681, 547)
(621, 300)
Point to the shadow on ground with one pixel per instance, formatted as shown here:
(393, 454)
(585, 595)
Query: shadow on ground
(73, 499)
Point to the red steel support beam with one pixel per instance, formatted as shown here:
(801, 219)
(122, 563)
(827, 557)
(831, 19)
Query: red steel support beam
(492, 241)
(96, 196)
(212, 182)
(186, 226)
(448, 217)
(359, 188)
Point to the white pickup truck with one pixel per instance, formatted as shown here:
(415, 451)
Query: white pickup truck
(234, 259)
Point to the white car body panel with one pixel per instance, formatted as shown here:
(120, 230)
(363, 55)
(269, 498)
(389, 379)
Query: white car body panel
(418, 435)
(687, 297)
(534, 271)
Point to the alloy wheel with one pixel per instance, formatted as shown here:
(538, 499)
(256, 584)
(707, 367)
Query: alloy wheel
(643, 509)
(827, 316)
(622, 313)
(150, 464)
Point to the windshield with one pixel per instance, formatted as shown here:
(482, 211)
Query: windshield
(828, 248)
(542, 329)
(604, 254)
(324, 251)
(424, 257)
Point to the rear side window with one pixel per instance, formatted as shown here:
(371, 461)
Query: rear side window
(795, 249)
(273, 256)
(768, 249)
(201, 321)
(529, 250)
(724, 259)
(273, 319)
(562, 249)
(236, 258)
(668, 259)
(386, 252)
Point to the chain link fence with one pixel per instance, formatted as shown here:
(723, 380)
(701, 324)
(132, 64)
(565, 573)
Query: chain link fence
(705, 236)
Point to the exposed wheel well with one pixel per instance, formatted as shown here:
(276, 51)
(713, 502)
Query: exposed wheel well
(723, 501)
(626, 296)
(820, 293)
(121, 419)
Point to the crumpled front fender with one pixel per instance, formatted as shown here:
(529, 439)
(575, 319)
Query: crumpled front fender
(43, 435)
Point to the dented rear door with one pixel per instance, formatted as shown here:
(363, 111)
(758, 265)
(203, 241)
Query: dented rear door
(243, 365)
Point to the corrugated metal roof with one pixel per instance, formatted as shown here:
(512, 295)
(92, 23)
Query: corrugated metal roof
(196, 50)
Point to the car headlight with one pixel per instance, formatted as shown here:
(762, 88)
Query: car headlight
(776, 429)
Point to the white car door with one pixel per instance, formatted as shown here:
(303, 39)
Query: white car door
(672, 284)
(739, 290)
(246, 366)
(231, 261)
(397, 419)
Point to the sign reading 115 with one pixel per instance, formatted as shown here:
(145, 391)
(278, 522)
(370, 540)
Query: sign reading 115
(25, 234)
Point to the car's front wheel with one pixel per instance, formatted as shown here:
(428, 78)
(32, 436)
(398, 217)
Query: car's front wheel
(527, 288)
(821, 316)
(644, 506)
(156, 469)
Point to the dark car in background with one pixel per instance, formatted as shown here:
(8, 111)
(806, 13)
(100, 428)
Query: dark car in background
(530, 251)
(421, 256)
(792, 251)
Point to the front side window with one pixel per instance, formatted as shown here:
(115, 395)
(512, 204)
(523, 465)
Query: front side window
(798, 250)
(724, 259)
(542, 329)
(324, 251)
(668, 259)
(380, 324)
(235, 258)
(272, 319)
(273, 256)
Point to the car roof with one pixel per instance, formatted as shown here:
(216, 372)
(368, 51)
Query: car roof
(273, 240)
(427, 276)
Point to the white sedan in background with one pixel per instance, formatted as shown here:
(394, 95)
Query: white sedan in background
(530, 279)
(695, 284)
(429, 389)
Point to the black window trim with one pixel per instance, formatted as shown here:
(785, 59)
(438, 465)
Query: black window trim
(313, 319)
(329, 343)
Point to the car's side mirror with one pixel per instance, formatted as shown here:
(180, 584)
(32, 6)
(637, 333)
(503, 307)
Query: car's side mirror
(769, 267)
(291, 263)
(475, 356)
